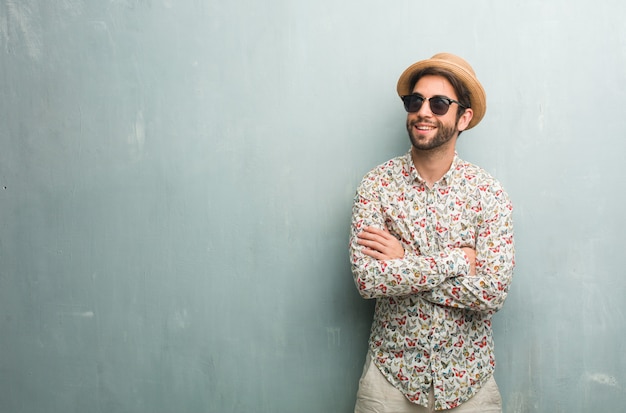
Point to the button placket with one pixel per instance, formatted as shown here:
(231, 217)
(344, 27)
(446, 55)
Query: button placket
(431, 218)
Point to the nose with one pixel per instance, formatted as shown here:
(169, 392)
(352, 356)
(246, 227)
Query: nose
(425, 109)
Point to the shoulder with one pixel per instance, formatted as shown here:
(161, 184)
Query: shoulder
(387, 178)
(480, 183)
(393, 169)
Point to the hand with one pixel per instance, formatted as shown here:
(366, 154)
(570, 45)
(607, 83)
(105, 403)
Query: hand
(470, 253)
(380, 244)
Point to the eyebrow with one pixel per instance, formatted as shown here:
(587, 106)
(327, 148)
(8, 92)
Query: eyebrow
(434, 96)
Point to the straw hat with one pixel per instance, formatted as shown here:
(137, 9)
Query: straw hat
(461, 69)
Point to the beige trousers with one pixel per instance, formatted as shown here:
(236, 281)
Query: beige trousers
(377, 395)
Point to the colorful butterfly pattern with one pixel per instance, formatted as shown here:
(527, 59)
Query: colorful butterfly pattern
(432, 322)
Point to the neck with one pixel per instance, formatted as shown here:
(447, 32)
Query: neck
(433, 164)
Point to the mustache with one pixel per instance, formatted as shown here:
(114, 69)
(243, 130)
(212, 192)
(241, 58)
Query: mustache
(423, 121)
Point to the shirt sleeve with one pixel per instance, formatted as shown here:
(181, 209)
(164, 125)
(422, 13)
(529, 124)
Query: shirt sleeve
(495, 260)
(412, 274)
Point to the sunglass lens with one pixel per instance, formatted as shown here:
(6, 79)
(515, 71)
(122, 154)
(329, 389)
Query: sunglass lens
(412, 103)
(439, 106)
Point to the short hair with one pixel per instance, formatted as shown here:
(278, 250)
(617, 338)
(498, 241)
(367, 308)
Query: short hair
(462, 92)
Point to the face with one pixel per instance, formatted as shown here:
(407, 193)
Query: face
(428, 131)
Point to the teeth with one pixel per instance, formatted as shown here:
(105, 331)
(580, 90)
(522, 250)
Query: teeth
(425, 127)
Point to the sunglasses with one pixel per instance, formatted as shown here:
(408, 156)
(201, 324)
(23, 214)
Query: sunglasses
(438, 104)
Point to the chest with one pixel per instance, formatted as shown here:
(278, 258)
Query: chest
(433, 218)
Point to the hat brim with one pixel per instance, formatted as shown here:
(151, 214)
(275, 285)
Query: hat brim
(478, 98)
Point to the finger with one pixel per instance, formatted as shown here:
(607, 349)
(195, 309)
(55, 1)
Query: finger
(374, 230)
(372, 244)
(374, 254)
(371, 236)
(384, 233)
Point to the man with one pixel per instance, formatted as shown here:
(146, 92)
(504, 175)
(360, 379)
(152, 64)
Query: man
(432, 242)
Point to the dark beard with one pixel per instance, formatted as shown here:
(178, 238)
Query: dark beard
(444, 134)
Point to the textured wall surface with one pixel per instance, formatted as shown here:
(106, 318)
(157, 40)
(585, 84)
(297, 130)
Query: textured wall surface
(176, 179)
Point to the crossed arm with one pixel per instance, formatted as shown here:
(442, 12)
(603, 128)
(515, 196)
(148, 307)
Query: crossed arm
(475, 278)
(382, 245)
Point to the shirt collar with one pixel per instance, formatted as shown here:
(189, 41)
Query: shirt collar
(412, 175)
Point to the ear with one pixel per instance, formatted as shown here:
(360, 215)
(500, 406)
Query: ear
(465, 119)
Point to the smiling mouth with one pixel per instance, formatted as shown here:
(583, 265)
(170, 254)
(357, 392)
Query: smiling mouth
(424, 127)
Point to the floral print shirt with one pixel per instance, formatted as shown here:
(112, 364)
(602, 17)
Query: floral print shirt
(432, 322)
